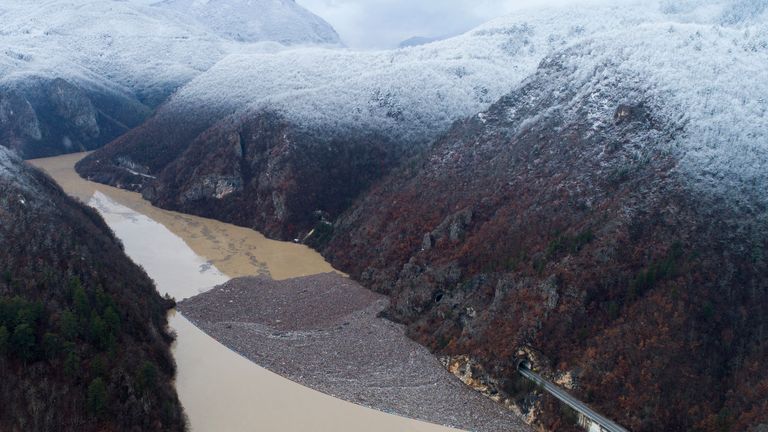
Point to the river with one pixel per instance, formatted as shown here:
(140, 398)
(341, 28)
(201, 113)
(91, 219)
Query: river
(220, 390)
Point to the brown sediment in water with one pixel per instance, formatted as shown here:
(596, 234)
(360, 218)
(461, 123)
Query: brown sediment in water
(324, 331)
(235, 251)
(219, 389)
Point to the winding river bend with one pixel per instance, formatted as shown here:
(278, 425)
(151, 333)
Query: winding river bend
(185, 255)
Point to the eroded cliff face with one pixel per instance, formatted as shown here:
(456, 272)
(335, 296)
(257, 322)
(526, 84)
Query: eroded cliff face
(260, 170)
(43, 117)
(268, 174)
(561, 219)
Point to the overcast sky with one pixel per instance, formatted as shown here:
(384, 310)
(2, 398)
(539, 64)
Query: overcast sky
(370, 24)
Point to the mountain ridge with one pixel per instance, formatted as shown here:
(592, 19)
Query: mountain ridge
(126, 57)
(605, 210)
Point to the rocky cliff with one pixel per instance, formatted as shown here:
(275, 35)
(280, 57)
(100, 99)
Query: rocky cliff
(268, 173)
(46, 117)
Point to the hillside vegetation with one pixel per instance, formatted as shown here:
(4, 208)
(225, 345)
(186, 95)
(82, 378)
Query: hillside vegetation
(83, 340)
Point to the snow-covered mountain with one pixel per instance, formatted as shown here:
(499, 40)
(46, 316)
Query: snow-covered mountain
(589, 181)
(408, 95)
(685, 61)
(139, 45)
(103, 43)
(281, 21)
(607, 217)
(417, 92)
(411, 95)
(126, 53)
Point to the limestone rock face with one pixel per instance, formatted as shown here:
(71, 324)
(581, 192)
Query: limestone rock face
(49, 117)
(18, 118)
(73, 105)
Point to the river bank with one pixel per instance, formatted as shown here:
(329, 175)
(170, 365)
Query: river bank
(324, 331)
(185, 255)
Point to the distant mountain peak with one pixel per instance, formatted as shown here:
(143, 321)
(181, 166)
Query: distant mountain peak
(418, 40)
(282, 21)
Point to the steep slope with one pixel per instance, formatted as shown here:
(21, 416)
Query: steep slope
(75, 75)
(271, 140)
(44, 117)
(119, 60)
(607, 217)
(83, 345)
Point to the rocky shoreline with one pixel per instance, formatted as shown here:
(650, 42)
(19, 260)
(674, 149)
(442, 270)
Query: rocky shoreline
(324, 332)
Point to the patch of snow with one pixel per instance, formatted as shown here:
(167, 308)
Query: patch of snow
(139, 174)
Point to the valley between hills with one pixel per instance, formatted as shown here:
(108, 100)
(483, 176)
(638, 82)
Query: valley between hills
(226, 187)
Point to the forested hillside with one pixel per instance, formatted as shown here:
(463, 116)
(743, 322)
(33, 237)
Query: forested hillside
(83, 342)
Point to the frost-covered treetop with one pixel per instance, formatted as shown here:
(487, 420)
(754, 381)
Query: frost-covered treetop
(701, 67)
(414, 93)
(709, 81)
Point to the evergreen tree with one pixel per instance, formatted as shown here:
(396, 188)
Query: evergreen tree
(51, 345)
(97, 397)
(3, 340)
(80, 300)
(100, 336)
(23, 342)
(72, 362)
(112, 319)
(148, 376)
(69, 325)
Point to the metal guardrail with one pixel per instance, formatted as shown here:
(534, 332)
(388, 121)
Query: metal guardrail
(605, 423)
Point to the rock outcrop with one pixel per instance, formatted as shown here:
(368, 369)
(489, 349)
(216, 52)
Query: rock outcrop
(49, 117)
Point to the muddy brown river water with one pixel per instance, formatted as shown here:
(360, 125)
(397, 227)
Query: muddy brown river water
(186, 255)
